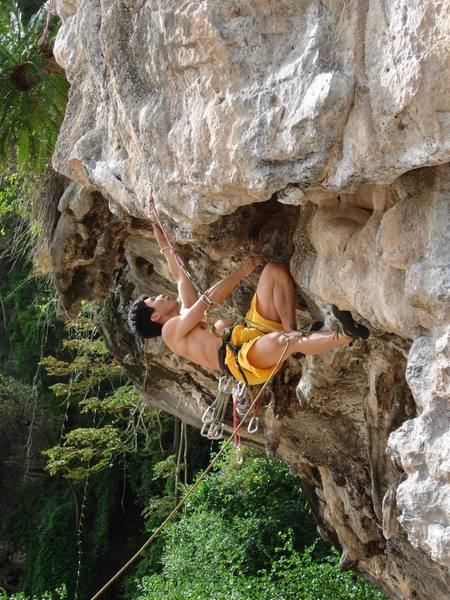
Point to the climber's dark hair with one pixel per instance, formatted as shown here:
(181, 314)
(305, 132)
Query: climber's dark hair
(139, 319)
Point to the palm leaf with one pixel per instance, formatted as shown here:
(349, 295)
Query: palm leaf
(32, 96)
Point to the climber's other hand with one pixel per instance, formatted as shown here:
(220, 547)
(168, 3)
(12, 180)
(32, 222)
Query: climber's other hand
(252, 262)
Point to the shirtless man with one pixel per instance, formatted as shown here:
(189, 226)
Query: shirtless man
(256, 347)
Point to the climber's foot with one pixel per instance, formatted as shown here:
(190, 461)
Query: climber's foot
(315, 326)
(349, 327)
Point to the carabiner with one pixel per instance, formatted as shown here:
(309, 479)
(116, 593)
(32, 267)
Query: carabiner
(215, 432)
(203, 430)
(253, 425)
(208, 415)
(239, 390)
(239, 456)
(225, 384)
(222, 383)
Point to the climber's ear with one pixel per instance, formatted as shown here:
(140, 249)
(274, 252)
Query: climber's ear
(155, 316)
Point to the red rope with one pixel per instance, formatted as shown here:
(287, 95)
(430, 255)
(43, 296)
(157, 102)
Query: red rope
(237, 435)
(153, 209)
(51, 10)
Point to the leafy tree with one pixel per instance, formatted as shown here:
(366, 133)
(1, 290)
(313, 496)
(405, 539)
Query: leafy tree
(247, 534)
(96, 384)
(58, 594)
(33, 91)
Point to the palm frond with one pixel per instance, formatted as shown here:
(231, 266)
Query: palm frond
(32, 96)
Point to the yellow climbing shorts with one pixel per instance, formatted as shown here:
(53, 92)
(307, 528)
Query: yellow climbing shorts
(244, 336)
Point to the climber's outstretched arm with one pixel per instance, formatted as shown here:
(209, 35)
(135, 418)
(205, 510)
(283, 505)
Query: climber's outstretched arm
(222, 289)
(179, 327)
(186, 290)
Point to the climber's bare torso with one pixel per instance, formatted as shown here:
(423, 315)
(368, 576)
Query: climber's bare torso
(186, 334)
(200, 346)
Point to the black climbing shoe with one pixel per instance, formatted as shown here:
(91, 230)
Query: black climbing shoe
(315, 326)
(349, 327)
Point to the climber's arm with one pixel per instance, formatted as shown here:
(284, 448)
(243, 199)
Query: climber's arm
(181, 326)
(186, 290)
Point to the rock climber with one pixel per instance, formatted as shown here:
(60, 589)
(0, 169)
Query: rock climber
(251, 350)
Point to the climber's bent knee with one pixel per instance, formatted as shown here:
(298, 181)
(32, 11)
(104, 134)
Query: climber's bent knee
(266, 350)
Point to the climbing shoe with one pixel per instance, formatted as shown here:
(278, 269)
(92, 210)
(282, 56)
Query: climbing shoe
(315, 326)
(347, 326)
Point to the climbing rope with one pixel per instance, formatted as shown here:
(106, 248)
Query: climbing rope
(182, 502)
(170, 246)
(51, 11)
(213, 418)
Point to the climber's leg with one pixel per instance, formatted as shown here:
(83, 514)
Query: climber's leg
(267, 349)
(275, 296)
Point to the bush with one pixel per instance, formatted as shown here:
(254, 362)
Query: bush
(59, 594)
(292, 575)
(247, 533)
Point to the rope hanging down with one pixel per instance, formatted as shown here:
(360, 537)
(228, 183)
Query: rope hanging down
(170, 246)
(51, 11)
(196, 484)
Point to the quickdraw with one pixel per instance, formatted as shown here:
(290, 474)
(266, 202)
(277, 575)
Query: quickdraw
(214, 416)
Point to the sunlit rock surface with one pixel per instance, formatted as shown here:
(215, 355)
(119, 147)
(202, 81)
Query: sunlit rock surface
(317, 132)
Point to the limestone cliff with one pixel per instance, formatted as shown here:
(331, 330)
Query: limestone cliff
(318, 132)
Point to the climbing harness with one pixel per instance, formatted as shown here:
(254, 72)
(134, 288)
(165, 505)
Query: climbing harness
(197, 482)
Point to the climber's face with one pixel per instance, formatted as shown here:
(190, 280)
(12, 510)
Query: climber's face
(164, 306)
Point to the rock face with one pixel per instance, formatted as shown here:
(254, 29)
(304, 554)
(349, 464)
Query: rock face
(318, 132)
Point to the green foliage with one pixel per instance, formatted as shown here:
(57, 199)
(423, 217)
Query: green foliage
(33, 91)
(30, 309)
(53, 558)
(16, 408)
(59, 594)
(85, 450)
(91, 449)
(292, 575)
(9, 194)
(247, 533)
(263, 492)
(124, 421)
(165, 468)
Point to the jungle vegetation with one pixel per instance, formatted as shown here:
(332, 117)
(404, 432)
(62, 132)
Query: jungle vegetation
(87, 471)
